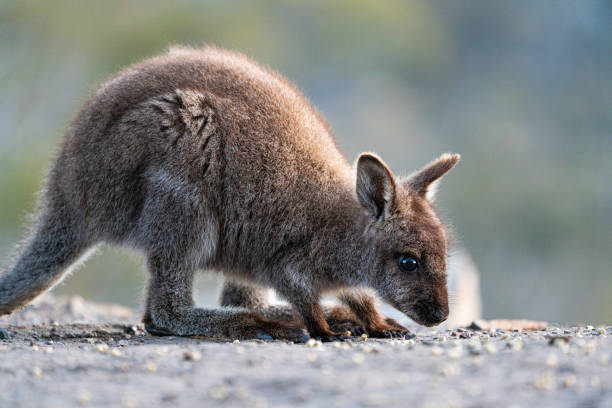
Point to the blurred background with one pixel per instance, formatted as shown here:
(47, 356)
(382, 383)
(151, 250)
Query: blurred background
(522, 89)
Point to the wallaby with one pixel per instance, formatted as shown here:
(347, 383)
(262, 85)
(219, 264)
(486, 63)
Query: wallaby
(202, 159)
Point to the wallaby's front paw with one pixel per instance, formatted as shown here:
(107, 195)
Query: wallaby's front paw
(389, 328)
(341, 319)
(330, 336)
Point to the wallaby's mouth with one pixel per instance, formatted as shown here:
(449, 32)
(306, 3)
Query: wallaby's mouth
(426, 316)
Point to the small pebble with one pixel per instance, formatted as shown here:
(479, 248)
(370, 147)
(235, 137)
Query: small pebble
(410, 343)
(474, 348)
(313, 343)
(84, 397)
(364, 337)
(552, 361)
(454, 353)
(367, 349)
(102, 347)
(241, 393)
(217, 393)
(589, 347)
(490, 348)
(569, 381)
(437, 351)
(128, 402)
(545, 382)
(35, 347)
(4, 334)
(115, 352)
(192, 356)
(449, 370)
(347, 333)
(514, 344)
(478, 360)
(236, 341)
(37, 372)
(604, 359)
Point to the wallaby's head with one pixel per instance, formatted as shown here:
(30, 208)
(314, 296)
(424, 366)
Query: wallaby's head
(409, 241)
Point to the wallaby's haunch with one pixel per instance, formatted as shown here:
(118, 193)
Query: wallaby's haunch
(201, 158)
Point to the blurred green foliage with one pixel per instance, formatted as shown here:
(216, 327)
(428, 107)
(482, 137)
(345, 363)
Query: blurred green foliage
(522, 89)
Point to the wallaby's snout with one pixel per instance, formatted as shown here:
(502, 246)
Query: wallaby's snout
(431, 312)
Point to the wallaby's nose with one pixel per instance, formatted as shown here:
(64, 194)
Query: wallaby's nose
(439, 315)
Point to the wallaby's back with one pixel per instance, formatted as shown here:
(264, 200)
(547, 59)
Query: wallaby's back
(234, 144)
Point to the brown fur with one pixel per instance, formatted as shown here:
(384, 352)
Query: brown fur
(200, 158)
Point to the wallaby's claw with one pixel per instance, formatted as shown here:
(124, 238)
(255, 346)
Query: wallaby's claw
(333, 337)
(303, 338)
(277, 330)
(395, 324)
(156, 331)
(262, 335)
(357, 331)
(387, 332)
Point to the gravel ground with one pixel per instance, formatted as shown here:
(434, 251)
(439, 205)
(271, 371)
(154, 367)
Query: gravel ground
(64, 352)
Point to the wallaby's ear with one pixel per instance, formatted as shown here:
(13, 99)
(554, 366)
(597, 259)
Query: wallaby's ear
(375, 185)
(424, 181)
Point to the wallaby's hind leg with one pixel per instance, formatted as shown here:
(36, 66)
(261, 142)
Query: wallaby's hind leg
(170, 311)
(238, 294)
(244, 295)
(45, 257)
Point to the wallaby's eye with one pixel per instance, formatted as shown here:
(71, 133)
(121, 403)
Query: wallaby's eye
(408, 263)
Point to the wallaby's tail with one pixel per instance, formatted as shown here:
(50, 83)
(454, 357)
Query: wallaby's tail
(54, 245)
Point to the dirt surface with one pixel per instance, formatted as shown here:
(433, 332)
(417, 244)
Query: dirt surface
(67, 352)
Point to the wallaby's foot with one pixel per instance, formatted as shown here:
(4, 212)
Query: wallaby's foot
(388, 328)
(155, 331)
(266, 329)
(330, 336)
(341, 319)
(241, 326)
(314, 319)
